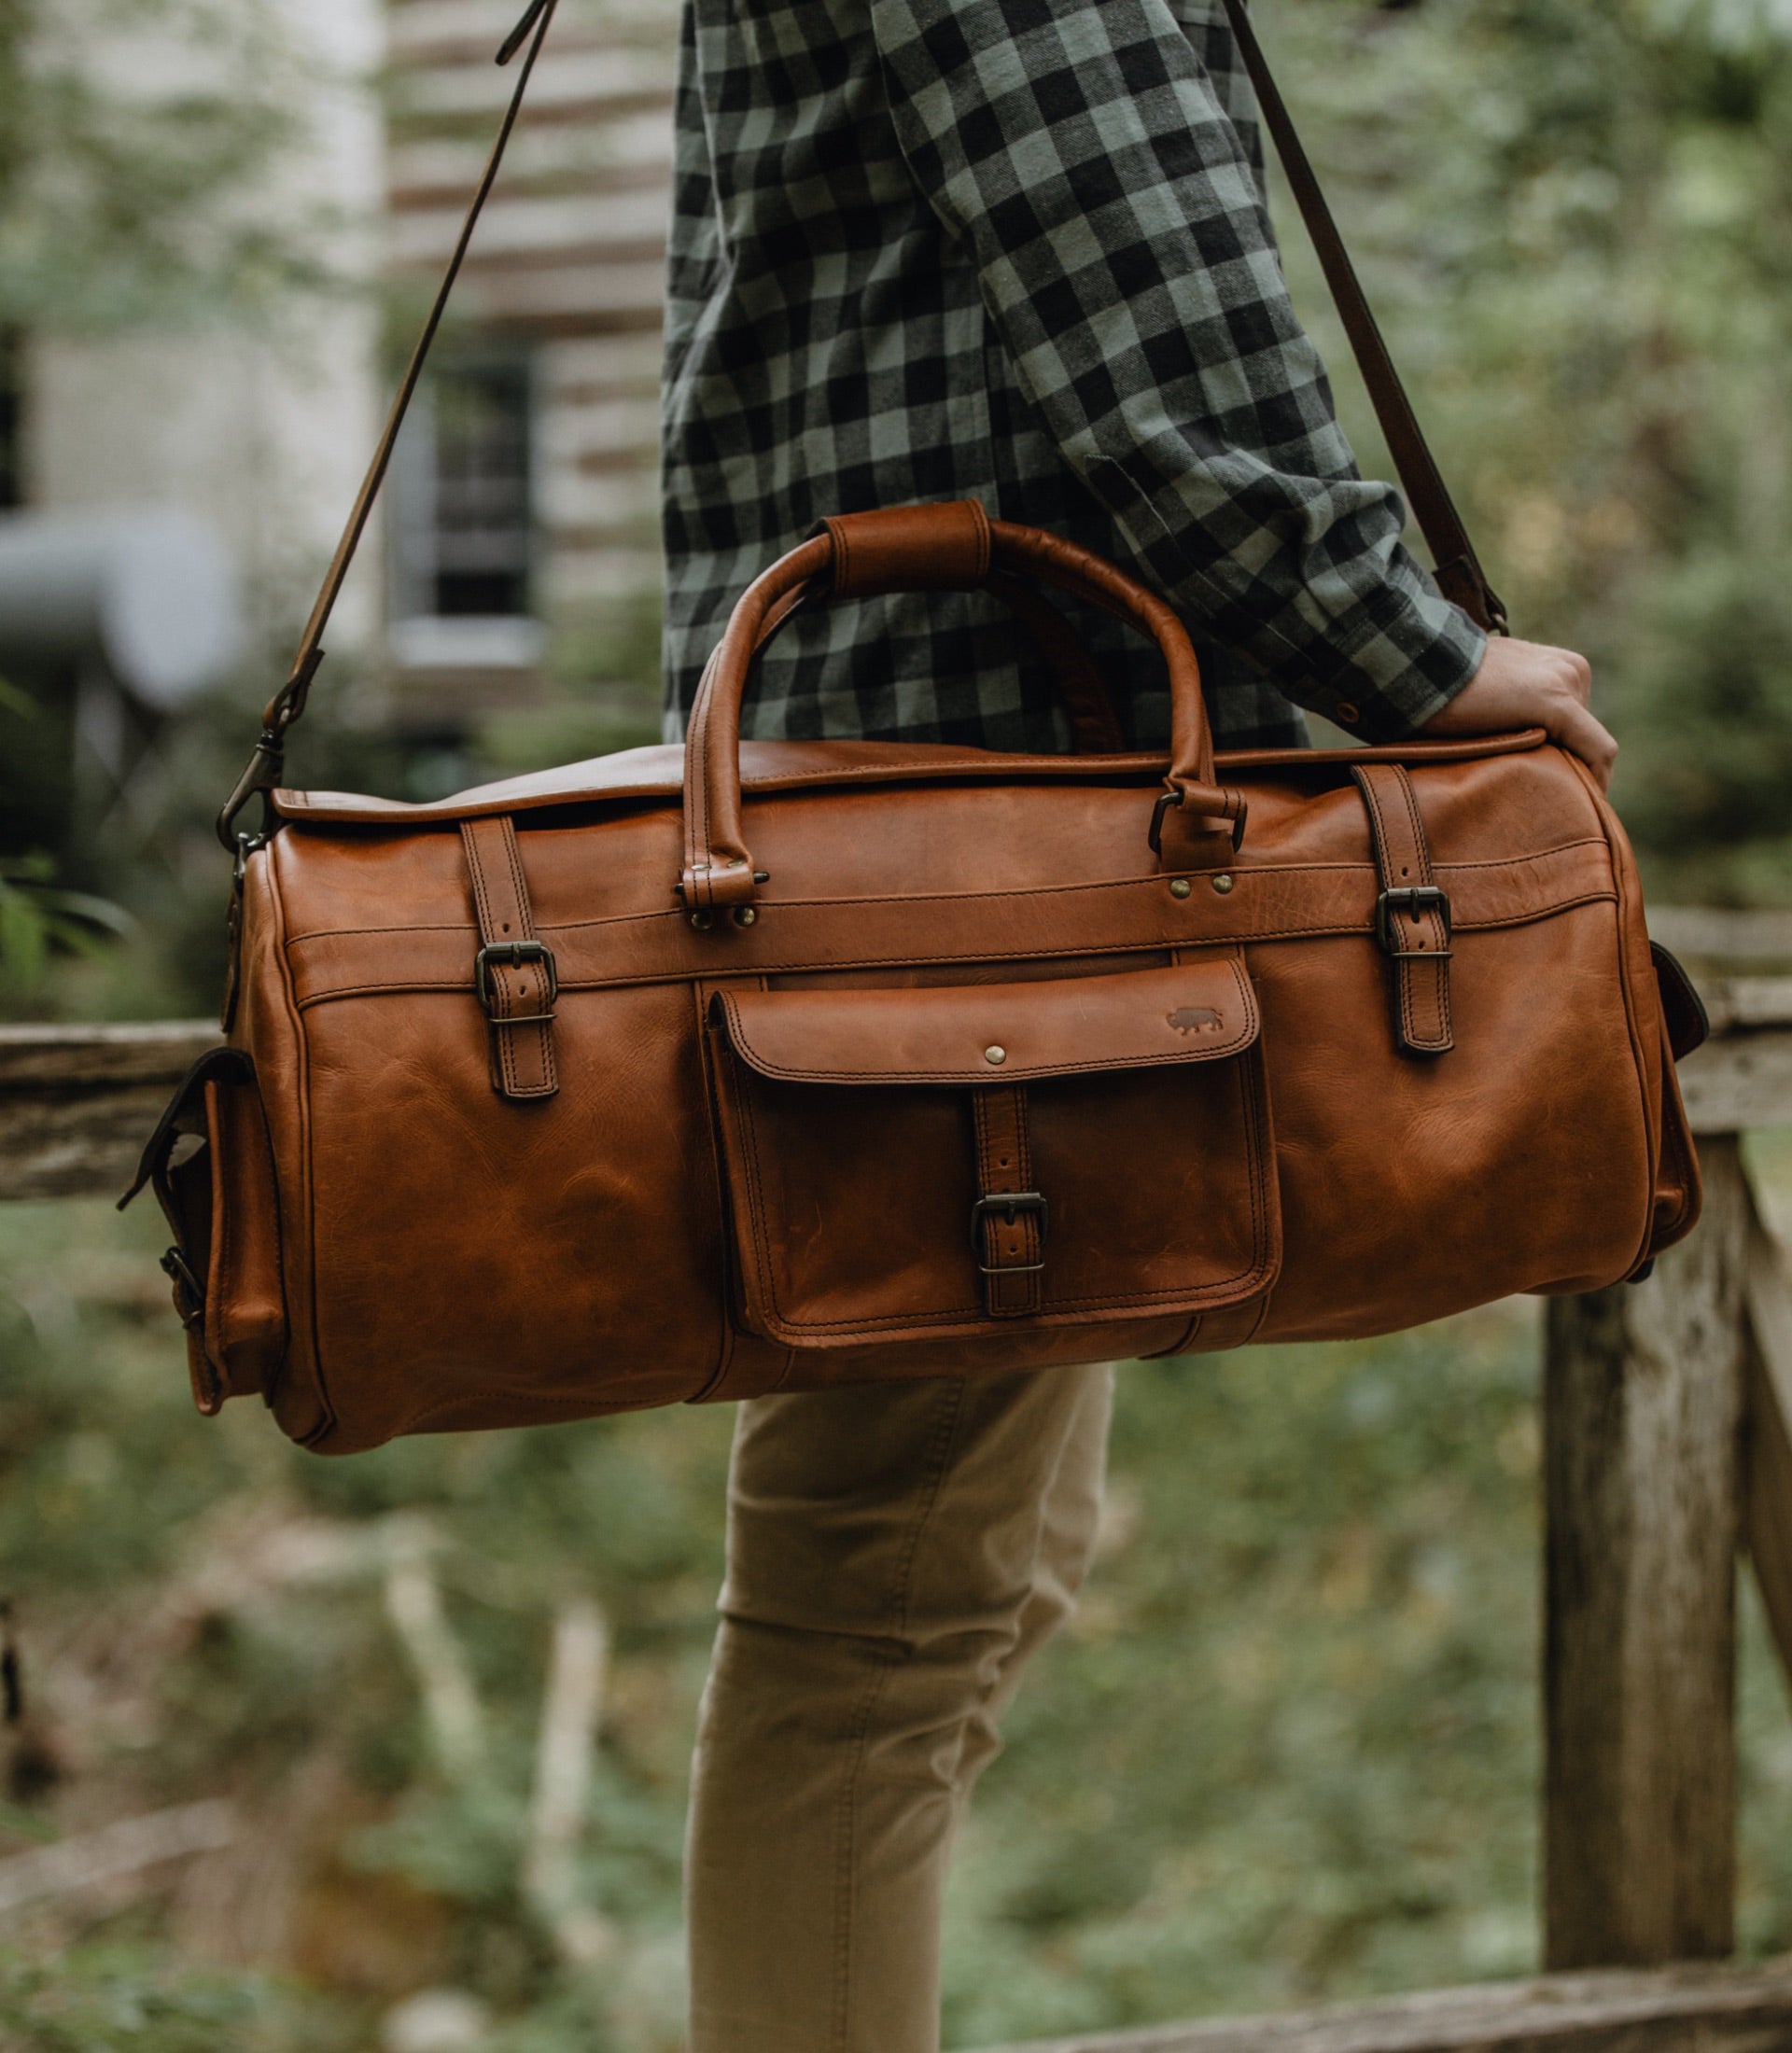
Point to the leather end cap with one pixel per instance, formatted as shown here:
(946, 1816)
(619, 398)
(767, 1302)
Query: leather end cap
(909, 549)
(724, 880)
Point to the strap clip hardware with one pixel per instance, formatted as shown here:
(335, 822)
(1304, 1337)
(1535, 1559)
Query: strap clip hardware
(190, 1295)
(1010, 1203)
(1413, 898)
(516, 952)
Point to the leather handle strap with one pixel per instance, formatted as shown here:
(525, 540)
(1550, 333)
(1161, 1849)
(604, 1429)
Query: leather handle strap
(514, 971)
(889, 550)
(1412, 918)
(1009, 1229)
(953, 546)
(287, 706)
(1459, 573)
(1095, 719)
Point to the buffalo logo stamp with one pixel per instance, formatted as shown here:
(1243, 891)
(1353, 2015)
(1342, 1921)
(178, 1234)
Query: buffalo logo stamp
(1196, 1019)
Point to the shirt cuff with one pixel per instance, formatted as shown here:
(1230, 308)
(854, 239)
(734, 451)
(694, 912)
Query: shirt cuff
(1386, 668)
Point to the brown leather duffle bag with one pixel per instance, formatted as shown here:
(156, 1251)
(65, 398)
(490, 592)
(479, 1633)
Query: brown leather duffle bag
(689, 1075)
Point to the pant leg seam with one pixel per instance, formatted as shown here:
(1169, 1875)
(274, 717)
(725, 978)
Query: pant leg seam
(885, 1658)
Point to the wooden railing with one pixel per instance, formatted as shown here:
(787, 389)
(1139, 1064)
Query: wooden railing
(1668, 1453)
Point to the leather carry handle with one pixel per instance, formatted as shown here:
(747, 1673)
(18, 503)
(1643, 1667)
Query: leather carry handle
(953, 547)
(1096, 726)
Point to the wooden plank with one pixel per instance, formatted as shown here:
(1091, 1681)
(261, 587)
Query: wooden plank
(1743, 1076)
(1716, 934)
(76, 1103)
(1737, 1081)
(1767, 1439)
(1681, 2010)
(1746, 1004)
(1643, 1408)
(75, 1057)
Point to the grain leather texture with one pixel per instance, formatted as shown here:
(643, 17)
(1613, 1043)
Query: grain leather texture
(781, 969)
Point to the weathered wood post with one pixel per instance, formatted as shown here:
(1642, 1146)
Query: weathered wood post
(1642, 1405)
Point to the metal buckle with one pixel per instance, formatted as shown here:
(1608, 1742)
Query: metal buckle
(1011, 1204)
(1414, 898)
(516, 953)
(189, 1296)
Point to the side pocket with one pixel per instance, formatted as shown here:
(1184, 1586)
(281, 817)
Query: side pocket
(1678, 1191)
(211, 1164)
(1688, 1025)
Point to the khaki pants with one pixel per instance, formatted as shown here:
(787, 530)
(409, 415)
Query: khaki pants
(895, 1555)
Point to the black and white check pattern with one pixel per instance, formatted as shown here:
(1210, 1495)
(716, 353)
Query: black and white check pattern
(1015, 251)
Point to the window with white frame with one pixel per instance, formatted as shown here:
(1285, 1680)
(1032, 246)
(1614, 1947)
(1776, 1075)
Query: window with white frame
(462, 533)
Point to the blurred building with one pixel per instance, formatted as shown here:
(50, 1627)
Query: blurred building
(524, 496)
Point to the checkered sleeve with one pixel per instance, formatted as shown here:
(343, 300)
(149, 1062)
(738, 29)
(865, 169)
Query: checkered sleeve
(1081, 152)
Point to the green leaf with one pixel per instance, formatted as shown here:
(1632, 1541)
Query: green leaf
(81, 908)
(24, 944)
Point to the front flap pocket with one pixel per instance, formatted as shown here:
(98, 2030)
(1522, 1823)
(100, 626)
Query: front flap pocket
(923, 1161)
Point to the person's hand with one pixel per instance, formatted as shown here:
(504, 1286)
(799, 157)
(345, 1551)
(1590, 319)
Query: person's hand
(1527, 684)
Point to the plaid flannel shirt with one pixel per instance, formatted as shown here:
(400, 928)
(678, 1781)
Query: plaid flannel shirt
(1015, 251)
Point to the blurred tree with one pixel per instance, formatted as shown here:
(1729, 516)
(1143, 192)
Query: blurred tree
(133, 135)
(137, 138)
(1577, 223)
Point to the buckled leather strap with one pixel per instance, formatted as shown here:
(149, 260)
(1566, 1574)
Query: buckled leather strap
(1009, 1236)
(514, 971)
(1412, 920)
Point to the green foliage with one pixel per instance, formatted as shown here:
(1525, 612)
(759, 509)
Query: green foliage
(134, 138)
(1287, 1751)
(38, 919)
(126, 2000)
(1576, 225)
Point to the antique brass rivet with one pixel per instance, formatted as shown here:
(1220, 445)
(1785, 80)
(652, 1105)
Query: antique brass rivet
(1222, 884)
(746, 916)
(1179, 887)
(703, 922)
(995, 1056)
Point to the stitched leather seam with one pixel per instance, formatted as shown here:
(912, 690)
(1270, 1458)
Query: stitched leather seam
(1639, 1058)
(708, 1058)
(1441, 1037)
(988, 768)
(999, 1288)
(1081, 1066)
(759, 1212)
(307, 1199)
(1432, 1038)
(1228, 1290)
(687, 973)
(949, 898)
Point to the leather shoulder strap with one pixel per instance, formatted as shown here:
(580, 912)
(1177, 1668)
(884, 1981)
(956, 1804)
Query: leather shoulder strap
(267, 764)
(1459, 571)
